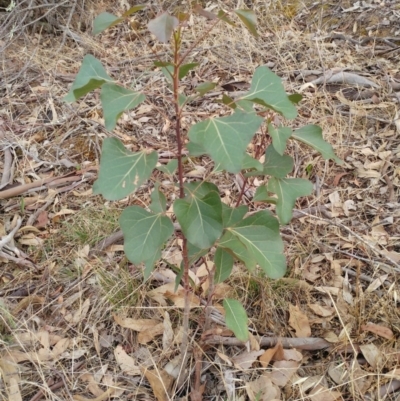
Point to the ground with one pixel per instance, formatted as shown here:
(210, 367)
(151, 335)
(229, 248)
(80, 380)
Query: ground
(76, 319)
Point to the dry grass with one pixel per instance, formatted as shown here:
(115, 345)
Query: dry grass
(59, 321)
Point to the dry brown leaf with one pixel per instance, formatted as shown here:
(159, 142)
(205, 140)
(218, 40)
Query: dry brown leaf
(292, 355)
(168, 334)
(262, 389)
(10, 377)
(246, 359)
(321, 310)
(126, 363)
(377, 283)
(299, 321)
(136, 324)
(80, 314)
(160, 382)
(372, 354)
(321, 393)
(282, 372)
(147, 335)
(275, 353)
(381, 331)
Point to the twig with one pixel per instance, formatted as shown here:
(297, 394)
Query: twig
(6, 177)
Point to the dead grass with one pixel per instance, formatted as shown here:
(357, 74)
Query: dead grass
(66, 325)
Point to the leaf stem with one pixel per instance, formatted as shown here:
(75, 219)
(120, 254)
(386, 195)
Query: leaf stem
(179, 140)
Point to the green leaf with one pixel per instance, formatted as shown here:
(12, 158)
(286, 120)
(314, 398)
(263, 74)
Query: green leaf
(223, 16)
(262, 195)
(236, 319)
(295, 98)
(288, 190)
(311, 135)
(277, 165)
(144, 235)
(250, 163)
(121, 171)
(200, 215)
(195, 253)
(182, 99)
(228, 101)
(232, 244)
(248, 17)
(185, 68)
(195, 150)
(134, 9)
(225, 139)
(104, 21)
(267, 89)
(169, 168)
(279, 137)
(232, 215)
(205, 87)
(259, 235)
(115, 100)
(168, 71)
(245, 105)
(223, 265)
(158, 201)
(91, 75)
(163, 26)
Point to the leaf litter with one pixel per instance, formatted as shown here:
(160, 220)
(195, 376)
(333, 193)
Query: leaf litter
(90, 313)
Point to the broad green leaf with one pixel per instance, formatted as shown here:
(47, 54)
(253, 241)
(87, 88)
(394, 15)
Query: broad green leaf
(195, 253)
(232, 215)
(163, 26)
(104, 21)
(279, 137)
(195, 149)
(248, 17)
(169, 168)
(225, 139)
(121, 171)
(182, 99)
(267, 89)
(200, 217)
(205, 87)
(311, 135)
(262, 195)
(236, 319)
(277, 165)
(228, 101)
(245, 105)
(158, 201)
(168, 71)
(295, 98)
(134, 9)
(199, 189)
(91, 75)
(115, 100)
(232, 244)
(185, 68)
(144, 235)
(288, 190)
(264, 247)
(256, 239)
(223, 16)
(249, 163)
(223, 265)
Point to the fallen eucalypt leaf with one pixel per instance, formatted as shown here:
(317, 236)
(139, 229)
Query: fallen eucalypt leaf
(208, 229)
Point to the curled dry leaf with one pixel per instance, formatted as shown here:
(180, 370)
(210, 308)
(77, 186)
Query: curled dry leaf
(246, 359)
(263, 389)
(136, 324)
(160, 382)
(275, 353)
(321, 310)
(381, 331)
(372, 354)
(299, 321)
(282, 372)
(126, 363)
(321, 393)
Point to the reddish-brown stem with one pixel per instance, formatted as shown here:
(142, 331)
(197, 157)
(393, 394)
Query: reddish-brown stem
(179, 140)
(241, 191)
